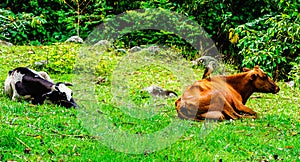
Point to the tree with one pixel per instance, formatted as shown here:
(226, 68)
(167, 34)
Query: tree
(79, 7)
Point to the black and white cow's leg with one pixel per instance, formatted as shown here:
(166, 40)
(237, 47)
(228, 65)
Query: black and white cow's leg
(7, 86)
(15, 95)
(16, 79)
(38, 100)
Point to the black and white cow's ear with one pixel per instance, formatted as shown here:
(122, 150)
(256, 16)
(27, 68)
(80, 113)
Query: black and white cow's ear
(65, 83)
(58, 83)
(68, 84)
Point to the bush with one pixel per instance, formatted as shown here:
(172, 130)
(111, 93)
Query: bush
(68, 18)
(272, 41)
(60, 19)
(18, 28)
(294, 74)
(268, 36)
(155, 26)
(59, 58)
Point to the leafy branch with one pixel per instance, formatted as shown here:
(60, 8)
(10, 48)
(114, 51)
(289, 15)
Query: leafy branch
(79, 9)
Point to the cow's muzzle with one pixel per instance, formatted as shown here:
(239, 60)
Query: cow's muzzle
(69, 104)
(276, 89)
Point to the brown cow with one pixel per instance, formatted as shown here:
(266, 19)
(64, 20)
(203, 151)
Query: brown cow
(224, 97)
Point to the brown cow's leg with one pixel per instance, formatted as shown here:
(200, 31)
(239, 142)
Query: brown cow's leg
(213, 115)
(232, 114)
(242, 108)
(229, 111)
(220, 104)
(249, 116)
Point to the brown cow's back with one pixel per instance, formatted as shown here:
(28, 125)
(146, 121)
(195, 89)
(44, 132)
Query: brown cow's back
(209, 94)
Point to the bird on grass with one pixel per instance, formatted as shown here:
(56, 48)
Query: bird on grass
(208, 70)
(210, 64)
(160, 92)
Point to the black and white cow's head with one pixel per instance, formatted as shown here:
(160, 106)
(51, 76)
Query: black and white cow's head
(61, 95)
(26, 83)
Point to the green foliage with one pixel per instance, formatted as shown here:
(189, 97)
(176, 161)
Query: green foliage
(270, 27)
(60, 20)
(271, 41)
(53, 59)
(294, 74)
(82, 16)
(154, 26)
(18, 28)
(42, 25)
(66, 18)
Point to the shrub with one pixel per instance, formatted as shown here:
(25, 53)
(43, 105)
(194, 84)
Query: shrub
(18, 28)
(271, 41)
(59, 58)
(294, 74)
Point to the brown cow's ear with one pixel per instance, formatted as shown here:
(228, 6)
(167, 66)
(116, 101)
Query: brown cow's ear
(253, 76)
(246, 69)
(256, 67)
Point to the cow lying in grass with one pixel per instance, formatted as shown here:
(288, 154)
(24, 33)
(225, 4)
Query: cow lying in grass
(224, 97)
(37, 87)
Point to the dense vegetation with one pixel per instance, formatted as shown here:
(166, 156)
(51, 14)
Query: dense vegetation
(245, 33)
(53, 133)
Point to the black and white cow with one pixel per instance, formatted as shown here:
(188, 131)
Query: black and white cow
(37, 87)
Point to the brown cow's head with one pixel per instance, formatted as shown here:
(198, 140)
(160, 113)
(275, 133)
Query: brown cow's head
(261, 81)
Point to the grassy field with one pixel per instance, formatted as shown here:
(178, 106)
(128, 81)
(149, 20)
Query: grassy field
(53, 133)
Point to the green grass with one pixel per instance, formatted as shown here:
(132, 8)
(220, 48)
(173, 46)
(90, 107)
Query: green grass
(48, 132)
